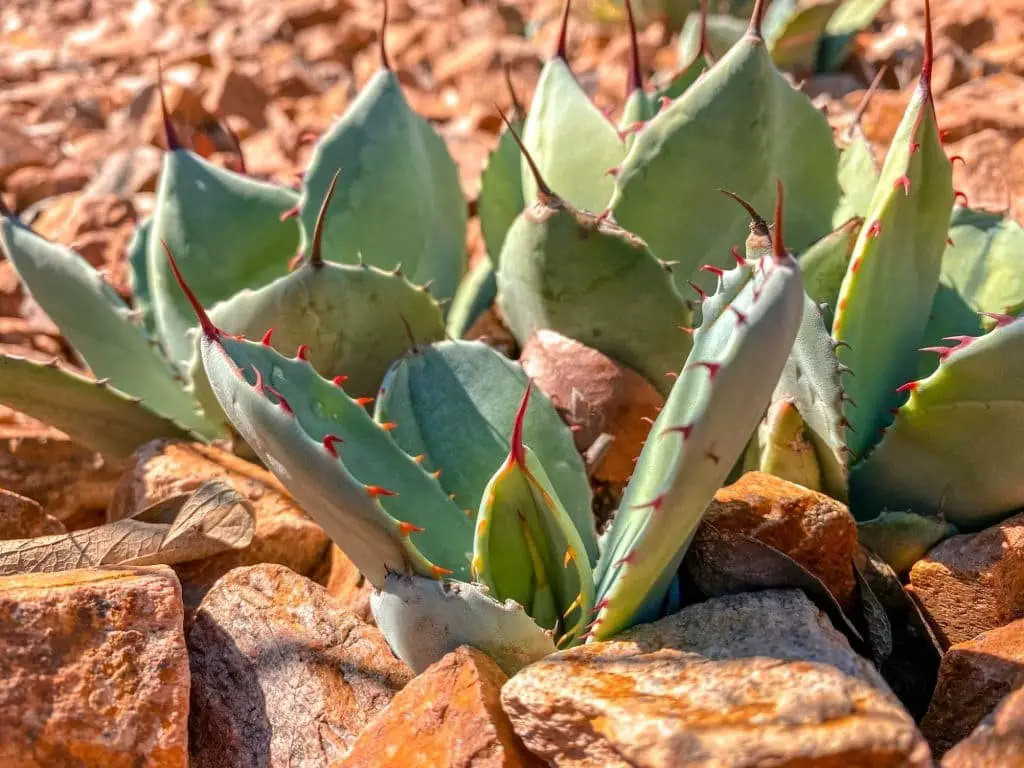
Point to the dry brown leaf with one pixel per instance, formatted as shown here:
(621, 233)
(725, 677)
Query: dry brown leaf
(213, 519)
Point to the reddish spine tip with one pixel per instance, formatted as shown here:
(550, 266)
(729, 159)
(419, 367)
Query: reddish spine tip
(929, 52)
(373, 491)
(712, 269)
(958, 195)
(910, 386)
(316, 258)
(544, 193)
(656, 503)
(778, 246)
(258, 384)
(173, 143)
(903, 181)
(914, 147)
(684, 429)
(1001, 319)
(672, 374)
(740, 317)
(627, 560)
(875, 228)
(362, 401)
(713, 368)
(303, 353)
(757, 20)
(647, 420)
(517, 450)
(291, 213)
(949, 241)
(635, 81)
(561, 45)
(954, 158)
(438, 571)
(330, 441)
(281, 402)
(339, 380)
(384, 61)
(698, 289)
(738, 256)
(210, 330)
(387, 426)
(265, 341)
(614, 171)
(405, 528)
(664, 102)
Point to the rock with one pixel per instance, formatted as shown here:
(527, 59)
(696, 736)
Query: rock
(812, 528)
(346, 584)
(449, 715)
(284, 534)
(72, 483)
(93, 669)
(34, 183)
(972, 582)
(997, 741)
(596, 396)
(282, 674)
(973, 677)
(746, 680)
(22, 518)
(127, 172)
(18, 150)
(234, 93)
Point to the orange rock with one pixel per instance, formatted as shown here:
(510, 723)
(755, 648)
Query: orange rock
(234, 93)
(32, 184)
(282, 674)
(284, 534)
(93, 670)
(22, 518)
(997, 742)
(972, 583)
(812, 528)
(973, 678)
(345, 583)
(449, 715)
(596, 396)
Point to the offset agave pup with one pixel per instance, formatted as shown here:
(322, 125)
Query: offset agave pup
(519, 572)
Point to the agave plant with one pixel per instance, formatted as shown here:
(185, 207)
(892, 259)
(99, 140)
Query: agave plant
(235, 237)
(501, 553)
(912, 443)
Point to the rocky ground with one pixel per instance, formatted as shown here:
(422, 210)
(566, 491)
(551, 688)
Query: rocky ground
(263, 652)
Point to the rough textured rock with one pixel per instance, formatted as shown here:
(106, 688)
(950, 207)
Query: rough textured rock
(746, 680)
(281, 674)
(22, 518)
(70, 482)
(346, 584)
(596, 396)
(974, 582)
(997, 742)
(450, 715)
(973, 678)
(812, 528)
(93, 669)
(284, 534)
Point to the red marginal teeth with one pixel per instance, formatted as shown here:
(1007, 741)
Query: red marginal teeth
(910, 386)
(683, 429)
(958, 195)
(713, 368)
(954, 158)
(373, 491)
(339, 380)
(713, 269)
(875, 229)
(903, 181)
(266, 337)
(406, 528)
(303, 353)
(1001, 319)
(736, 255)
(330, 441)
(698, 289)
(363, 401)
(291, 213)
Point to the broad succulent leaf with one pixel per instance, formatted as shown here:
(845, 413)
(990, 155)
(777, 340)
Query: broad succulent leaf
(476, 294)
(824, 264)
(785, 447)
(501, 191)
(563, 268)
(903, 538)
(374, 501)
(950, 317)
(851, 17)
(742, 125)
(793, 31)
(573, 142)
(454, 403)
(812, 381)
(739, 351)
(138, 247)
(527, 548)
(98, 324)
(985, 262)
(227, 233)
(953, 448)
(423, 620)
(401, 201)
(90, 412)
(888, 290)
